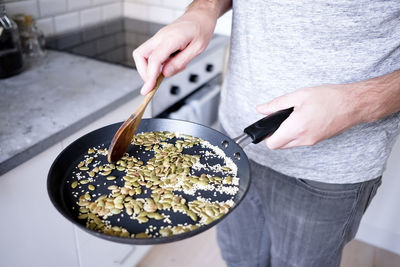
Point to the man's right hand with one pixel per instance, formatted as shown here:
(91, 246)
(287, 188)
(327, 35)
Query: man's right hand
(190, 34)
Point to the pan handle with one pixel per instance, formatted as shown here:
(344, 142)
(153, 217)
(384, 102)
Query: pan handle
(265, 127)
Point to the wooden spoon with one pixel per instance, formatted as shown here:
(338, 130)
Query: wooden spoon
(124, 135)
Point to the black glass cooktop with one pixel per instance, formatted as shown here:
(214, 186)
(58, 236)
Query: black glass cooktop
(112, 41)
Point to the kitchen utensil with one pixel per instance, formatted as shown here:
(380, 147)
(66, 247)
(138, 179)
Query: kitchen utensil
(61, 170)
(124, 135)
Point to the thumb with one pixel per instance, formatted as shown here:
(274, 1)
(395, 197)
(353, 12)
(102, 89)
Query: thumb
(279, 103)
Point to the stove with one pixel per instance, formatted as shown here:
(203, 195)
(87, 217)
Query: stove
(114, 41)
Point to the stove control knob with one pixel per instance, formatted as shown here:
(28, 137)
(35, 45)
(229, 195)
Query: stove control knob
(209, 67)
(194, 78)
(174, 90)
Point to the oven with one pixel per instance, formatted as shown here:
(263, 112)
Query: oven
(191, 95)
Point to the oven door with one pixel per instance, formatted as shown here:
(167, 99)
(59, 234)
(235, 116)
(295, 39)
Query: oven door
(199, 107)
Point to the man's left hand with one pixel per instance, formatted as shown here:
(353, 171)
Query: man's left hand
(319, 113)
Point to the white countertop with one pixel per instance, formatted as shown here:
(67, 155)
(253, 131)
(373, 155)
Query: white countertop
(57, 96)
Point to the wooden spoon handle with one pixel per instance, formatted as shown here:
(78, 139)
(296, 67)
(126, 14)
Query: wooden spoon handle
(142, 107)
(150, 95)
(123, 136)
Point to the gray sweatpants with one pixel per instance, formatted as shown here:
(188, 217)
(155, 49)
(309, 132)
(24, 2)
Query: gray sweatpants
(285, 222)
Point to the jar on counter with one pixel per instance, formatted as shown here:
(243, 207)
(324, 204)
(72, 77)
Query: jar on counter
(32, 39)
(11, 61)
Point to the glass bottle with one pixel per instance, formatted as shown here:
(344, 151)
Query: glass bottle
(32, 39)
(11, 61)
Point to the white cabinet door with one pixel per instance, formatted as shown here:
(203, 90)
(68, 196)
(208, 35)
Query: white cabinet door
(32, 232)
(96, 252)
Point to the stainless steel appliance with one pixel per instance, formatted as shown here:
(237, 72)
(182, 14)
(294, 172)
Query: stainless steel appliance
(114, 42)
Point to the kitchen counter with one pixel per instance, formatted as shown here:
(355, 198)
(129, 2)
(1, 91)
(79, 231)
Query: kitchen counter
(58, 95)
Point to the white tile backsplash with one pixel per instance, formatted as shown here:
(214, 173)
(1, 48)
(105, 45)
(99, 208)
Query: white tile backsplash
(78, 4)
(180, 4)
(46, 25)
(100, 2)
(147, 2)
(161, 14)
(66, 22)
(27, 7)
(52, 7)
(91, 16)
(112, 11)
(136, 11)
(55, 16)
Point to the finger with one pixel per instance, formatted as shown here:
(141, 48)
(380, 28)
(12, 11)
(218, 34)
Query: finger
(180, 61)
(283, 136)
(140, 56)
(279, 103)
(154, 63)
(141, 64)
(291, 144)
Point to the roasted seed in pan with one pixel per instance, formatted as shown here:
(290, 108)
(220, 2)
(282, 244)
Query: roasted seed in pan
(167, 177)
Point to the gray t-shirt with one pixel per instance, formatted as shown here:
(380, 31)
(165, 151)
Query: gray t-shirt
(279, 46)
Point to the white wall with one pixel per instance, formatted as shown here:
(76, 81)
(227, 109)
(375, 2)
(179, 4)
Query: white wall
(58, 16)
(380, 225)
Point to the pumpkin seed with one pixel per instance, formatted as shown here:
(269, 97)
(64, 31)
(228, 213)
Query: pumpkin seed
(226, 168)
(165, 232)
(142, 219)
(142, 235)
(119, 206)
(74, 184)
(82, 216)
(83, 210)
(129, 211)
(105, 173)
(112, 187)
(115, 211)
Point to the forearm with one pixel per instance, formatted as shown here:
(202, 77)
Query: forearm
(215, 7)
(378, 97)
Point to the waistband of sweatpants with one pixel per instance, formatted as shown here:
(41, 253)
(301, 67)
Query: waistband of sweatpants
(321, 185)
(331, 186)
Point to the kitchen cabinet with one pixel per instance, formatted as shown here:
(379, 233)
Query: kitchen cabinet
(33, 233)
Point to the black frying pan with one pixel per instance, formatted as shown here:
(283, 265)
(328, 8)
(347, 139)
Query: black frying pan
(60, 191)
